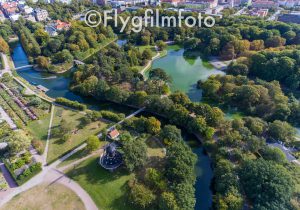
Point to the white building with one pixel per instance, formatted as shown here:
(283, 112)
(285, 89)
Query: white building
(41, 14)
(14, 17)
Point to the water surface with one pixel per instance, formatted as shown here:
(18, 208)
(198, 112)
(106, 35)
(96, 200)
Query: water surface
(185, 69)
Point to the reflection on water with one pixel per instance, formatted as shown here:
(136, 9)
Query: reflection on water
(186, 69)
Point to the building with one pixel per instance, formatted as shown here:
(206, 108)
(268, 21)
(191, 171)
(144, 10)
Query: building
(29, 18)
(259, 12)
(54, 27)
(265, 4)
(60, 25)
(293, 17)
(113, 134)
(126, 3)
(111, 159)
(41, 14)
(14, 17)
(9, 8)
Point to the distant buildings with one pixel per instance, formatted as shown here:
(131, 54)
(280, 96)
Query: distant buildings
(54, 27)
(293, 17)
(265, 4)
(41, 14)
(289, 3)
(9, 8)
(259, 12)
(29, 18)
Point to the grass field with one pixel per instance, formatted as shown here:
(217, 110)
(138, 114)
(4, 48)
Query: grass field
(57, 147)
(78, 155)
(46, 197)
(108, 190)
(39, 129)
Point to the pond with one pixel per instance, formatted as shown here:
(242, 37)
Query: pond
(58, 86)
(185, 68)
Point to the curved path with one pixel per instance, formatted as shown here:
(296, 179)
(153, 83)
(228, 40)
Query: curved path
(50, 175)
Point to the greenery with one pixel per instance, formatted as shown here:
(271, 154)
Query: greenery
(109, 191)
(71, 104)
(68, 132)
(93, 143)
(275, 193)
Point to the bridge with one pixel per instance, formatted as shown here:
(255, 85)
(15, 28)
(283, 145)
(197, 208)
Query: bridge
(23, 67)
(120, 122)
(78, 62)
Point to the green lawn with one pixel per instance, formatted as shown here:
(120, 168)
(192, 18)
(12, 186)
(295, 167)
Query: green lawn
(78, 155)
(39, 128)
(107, 189)
(56, 146)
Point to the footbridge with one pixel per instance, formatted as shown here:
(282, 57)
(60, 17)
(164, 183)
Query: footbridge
(23, 67)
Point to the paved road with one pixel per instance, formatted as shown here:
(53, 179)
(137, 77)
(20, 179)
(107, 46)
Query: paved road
(51, 175)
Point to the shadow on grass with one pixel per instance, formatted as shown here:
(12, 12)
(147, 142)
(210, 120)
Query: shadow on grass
(91, 176)
(95, 173)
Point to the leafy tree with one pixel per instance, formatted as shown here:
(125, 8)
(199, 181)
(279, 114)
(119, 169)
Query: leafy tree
(161, 45)
(4, 47)
(153, 125)
(93, 143)
(135, 154)
(168, 201)
(273, 154)
(141, 196)
(282, 131)
(170, 133)
(266, 184)
(147, 54)
(43, 62)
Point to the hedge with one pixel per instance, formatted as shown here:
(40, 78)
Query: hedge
(69, 103)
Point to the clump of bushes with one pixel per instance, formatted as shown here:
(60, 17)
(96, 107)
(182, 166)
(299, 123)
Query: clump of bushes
(72, 104)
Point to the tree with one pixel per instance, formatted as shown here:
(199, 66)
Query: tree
(141, 195)
(169, 134)
(4, 47)
(273, 154)
(191, 43)
(257, 45)
(161, 45)
(275, 41)
(282, 131)
(41, 36)
(168, 201)
(43, 62)
(159, 74)
(135, 154)
(147, 54)
(153, 125)
(237, 69)
(93, 143)
(36, 101)
(266, 184)
(155, 179)
(180, 163)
